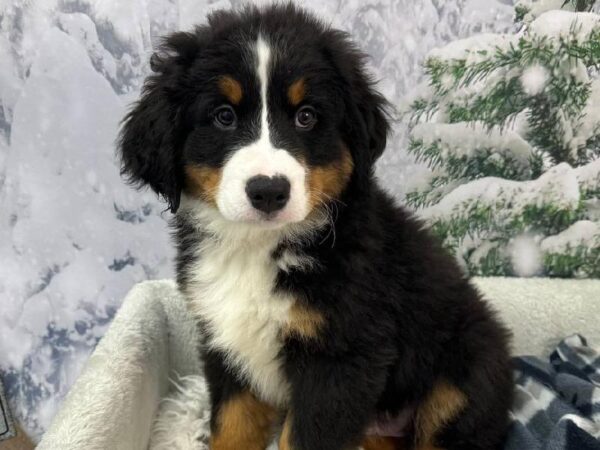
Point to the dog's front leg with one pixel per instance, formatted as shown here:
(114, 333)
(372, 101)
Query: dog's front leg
(242, 423)
(332, 402)
(239, 420)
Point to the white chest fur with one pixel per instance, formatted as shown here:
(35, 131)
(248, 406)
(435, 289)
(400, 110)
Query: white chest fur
(232, 292)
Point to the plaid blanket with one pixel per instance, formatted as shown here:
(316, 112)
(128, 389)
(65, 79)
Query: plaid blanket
(557, 404)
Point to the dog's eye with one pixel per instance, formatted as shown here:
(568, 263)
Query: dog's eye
(306, 117)
(224, 117)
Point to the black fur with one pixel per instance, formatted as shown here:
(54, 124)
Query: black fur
(400, 313)
(401, 316)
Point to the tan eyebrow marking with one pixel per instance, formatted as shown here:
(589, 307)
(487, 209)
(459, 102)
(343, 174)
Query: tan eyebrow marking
(231, 89)
(297, 91)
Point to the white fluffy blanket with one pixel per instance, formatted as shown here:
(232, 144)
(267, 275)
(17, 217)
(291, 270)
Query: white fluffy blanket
(142, 388)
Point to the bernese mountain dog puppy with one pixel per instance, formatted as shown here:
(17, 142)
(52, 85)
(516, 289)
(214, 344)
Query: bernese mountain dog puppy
(327, 311)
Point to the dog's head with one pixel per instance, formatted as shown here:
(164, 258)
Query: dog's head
(263, 115)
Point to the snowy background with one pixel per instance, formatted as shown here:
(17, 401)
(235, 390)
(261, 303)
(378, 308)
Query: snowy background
(73, 237)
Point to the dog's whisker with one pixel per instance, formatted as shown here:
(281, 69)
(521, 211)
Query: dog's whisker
(328, 207)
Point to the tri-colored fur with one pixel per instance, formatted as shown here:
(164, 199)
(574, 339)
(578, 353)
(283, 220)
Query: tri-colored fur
(333, 307)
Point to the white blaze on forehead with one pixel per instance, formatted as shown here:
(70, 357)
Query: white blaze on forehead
(261, 157)
(263, 56)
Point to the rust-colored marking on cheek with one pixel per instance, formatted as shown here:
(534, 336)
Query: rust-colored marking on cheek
(328, 182)
(297, 91)
(303, 322)
(243, 422)
(203, 182)
(440, 407)
(231, 89)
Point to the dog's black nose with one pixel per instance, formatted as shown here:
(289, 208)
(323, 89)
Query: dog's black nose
(268, 194)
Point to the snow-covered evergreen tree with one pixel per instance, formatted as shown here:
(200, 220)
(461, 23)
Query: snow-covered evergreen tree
(510, 127)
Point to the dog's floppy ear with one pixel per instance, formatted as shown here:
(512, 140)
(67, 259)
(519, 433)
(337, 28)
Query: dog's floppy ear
(148, 142)
(372, 109)
(365, 110)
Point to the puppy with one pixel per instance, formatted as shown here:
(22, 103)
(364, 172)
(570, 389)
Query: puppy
(325, 308)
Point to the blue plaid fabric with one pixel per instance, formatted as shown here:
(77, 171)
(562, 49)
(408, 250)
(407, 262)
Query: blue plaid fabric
(557, 403)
